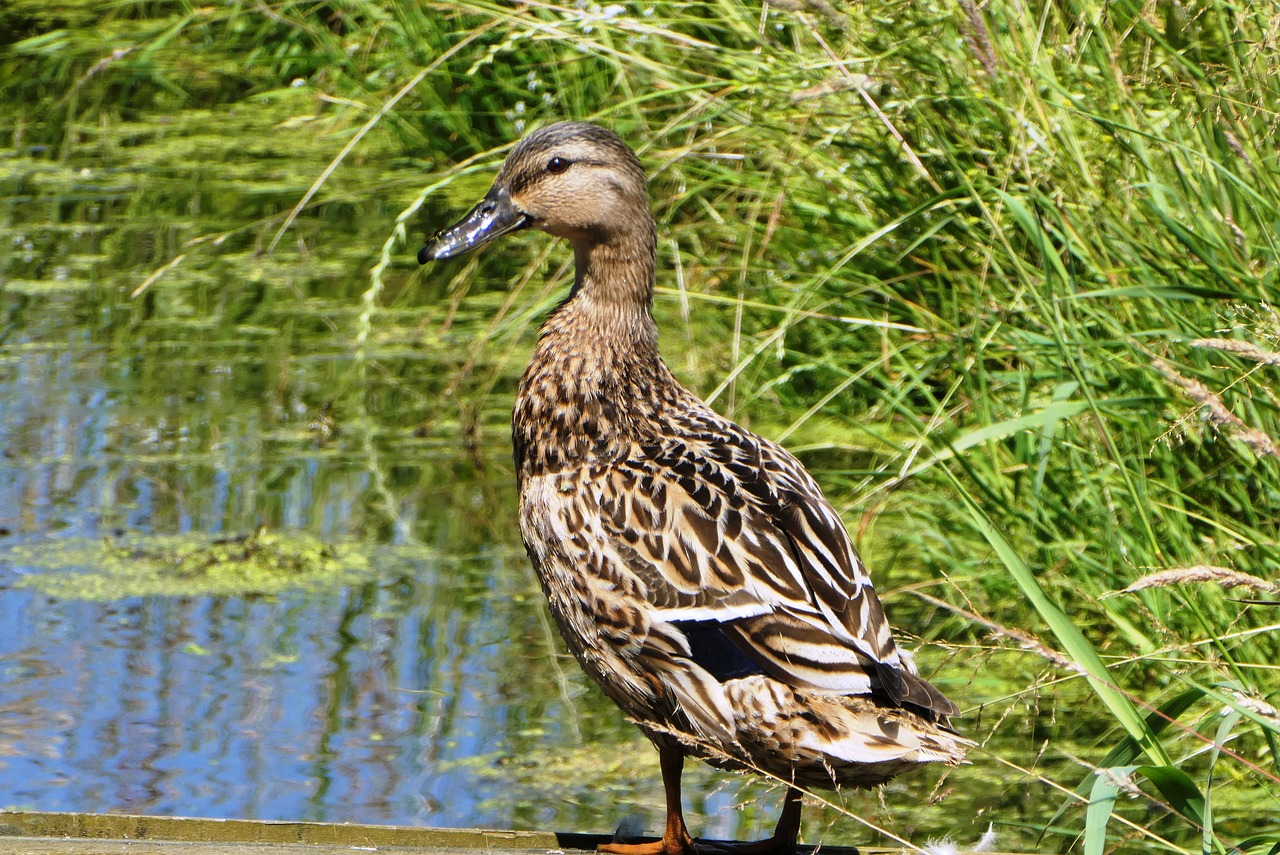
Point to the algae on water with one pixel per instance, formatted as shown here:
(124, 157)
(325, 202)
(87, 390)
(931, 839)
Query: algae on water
(264, 562)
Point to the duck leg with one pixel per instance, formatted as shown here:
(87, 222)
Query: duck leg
(675, 838)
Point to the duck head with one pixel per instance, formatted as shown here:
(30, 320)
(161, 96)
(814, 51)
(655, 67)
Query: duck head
(572, 179)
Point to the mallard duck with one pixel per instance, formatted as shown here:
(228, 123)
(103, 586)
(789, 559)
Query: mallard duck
(695, 569)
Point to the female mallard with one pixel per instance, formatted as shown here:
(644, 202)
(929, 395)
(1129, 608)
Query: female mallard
(695, 569)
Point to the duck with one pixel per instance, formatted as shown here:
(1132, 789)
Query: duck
(694, 569)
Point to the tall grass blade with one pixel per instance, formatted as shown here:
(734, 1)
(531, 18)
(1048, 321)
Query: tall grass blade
(1102, 800)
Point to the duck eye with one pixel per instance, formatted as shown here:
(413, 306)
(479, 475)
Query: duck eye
(557, 165)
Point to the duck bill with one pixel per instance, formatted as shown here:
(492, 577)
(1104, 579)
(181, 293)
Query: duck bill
(495, 216)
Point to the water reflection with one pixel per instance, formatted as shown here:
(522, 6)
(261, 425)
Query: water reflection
(319, 707)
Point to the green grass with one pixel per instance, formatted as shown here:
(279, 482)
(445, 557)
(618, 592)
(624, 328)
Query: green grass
(964, 261)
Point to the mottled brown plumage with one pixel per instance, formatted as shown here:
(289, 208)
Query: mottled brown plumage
(695, 570)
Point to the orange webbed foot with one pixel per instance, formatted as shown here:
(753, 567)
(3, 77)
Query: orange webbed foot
(679, 843)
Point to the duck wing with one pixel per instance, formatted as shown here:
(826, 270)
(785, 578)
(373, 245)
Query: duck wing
(736, 547)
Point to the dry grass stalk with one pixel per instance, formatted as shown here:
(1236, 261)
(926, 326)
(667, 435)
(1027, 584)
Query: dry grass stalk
(1218, 414)
(1239, 348)
(978, 38)
(1224, 576)
(1025, 640)
(1257, 706)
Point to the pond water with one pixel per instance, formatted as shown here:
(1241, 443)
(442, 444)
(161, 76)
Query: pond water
(415, 677)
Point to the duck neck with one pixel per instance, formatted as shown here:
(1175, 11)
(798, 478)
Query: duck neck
(608, 317)
(596, 379)
(612, 296)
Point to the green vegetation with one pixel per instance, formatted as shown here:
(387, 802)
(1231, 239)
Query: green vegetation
(1006, 277)
(260, 563)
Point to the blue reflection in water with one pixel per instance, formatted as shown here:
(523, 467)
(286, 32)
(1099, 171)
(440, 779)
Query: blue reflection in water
(347, 707)
(300, 708)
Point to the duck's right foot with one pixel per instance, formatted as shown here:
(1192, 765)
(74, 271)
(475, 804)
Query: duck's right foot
(667, 845)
